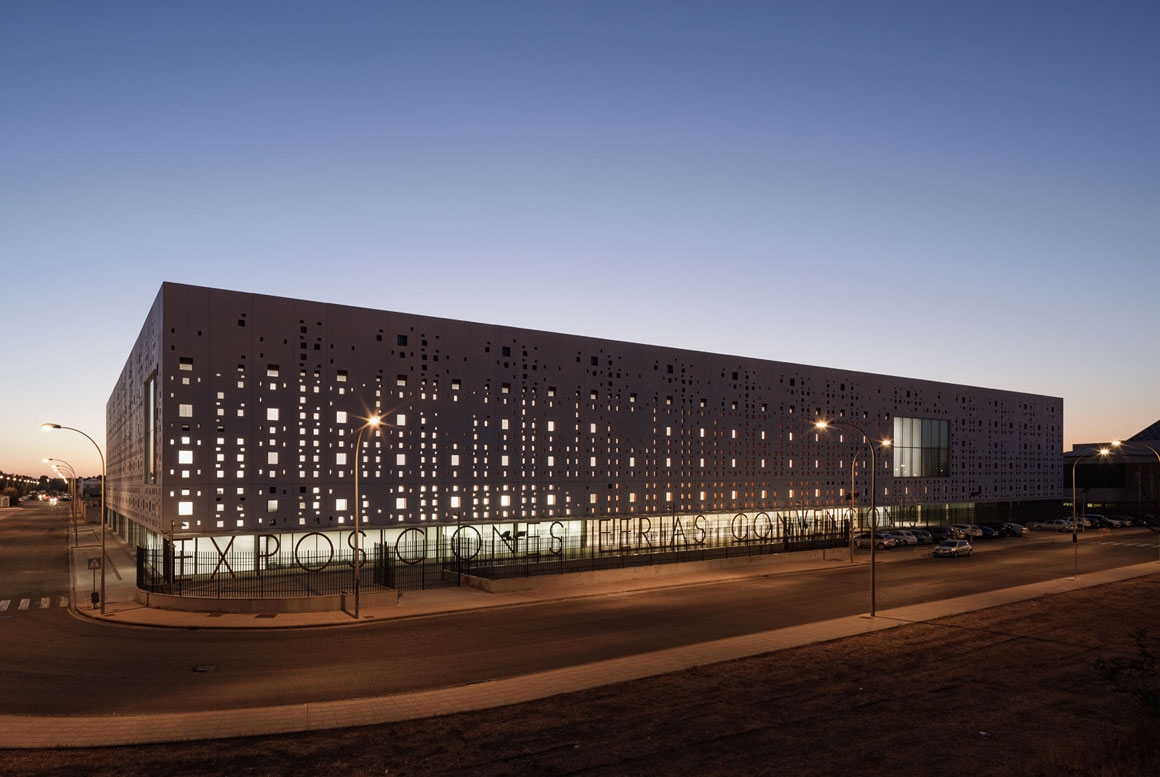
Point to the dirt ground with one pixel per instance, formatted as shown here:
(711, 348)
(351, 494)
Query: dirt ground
(1014, 690)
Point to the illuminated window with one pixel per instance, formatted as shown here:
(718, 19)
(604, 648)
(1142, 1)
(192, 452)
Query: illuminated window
(185, 410)
(921, 448)
(185, 508)
(150, 429)
(185, 457)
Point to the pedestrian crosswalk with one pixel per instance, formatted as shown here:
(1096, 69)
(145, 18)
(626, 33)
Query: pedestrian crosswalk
(32, 603)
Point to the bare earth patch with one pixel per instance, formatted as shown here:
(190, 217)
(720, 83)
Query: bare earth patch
(1012, 690)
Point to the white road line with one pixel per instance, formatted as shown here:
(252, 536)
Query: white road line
(4, 605)
(24, 604)
(45, 602)
(64, 602)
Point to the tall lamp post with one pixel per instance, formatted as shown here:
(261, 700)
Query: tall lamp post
(1102, 452)
(49, 427)
(374, 422)
(72, 512)
(821, 425)
(1121, 444)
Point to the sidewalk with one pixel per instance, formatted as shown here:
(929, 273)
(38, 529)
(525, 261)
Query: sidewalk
(91, 731)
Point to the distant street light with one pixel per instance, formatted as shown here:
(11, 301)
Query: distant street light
(50, 427)
(1102, 452)
(821, 425)
(374, 422)
(72, 512)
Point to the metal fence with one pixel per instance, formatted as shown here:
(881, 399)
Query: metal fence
(444, 559)
(248, 576)
(579, 554)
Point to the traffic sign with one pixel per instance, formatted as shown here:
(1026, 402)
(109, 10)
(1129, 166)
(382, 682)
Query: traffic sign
(95, 562)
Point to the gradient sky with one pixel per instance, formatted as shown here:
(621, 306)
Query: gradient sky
(965, 192)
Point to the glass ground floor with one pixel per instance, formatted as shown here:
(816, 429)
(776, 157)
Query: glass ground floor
(322, 562)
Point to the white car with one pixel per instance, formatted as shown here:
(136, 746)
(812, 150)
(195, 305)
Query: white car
(1059, 524)
(953, 548)
(904, 537)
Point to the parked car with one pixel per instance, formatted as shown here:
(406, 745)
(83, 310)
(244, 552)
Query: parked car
(953, 548)
(904, 536)
(882, 541)
(922, 535)
(964, 530)
(939, 533)
(987, 532)
(1005, 529)
(1059, 524)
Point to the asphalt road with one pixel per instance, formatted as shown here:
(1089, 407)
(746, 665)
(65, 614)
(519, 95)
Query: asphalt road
(54, 663)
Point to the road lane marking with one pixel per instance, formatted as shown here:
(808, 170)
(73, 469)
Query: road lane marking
(4, 605)
(24, 604)
(45, 602)
(64, 601)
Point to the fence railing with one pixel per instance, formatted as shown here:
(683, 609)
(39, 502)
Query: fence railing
(442, 563)
(249, 576)
(572, 555)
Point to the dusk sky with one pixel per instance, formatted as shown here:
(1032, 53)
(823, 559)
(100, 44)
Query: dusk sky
(963, 192)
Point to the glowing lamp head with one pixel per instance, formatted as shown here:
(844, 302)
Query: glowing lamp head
(375, 420)
(821, 425)
(886, 443)
(49, 427)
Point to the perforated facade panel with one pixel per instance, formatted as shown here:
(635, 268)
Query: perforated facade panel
(258, 402)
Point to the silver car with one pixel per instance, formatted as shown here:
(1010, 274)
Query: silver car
(953, 548)
(904, 536)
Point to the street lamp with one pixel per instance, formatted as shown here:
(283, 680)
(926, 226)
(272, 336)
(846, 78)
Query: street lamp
(49, 427)
(72, 512)
(1102, 452)
(1120, 444)
(374, 422)
(821, 425)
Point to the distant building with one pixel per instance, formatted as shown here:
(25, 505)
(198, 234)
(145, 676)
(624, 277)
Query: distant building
(1127, 482)
(234, 420)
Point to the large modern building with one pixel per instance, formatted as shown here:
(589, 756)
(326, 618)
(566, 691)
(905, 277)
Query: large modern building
(234, 423)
